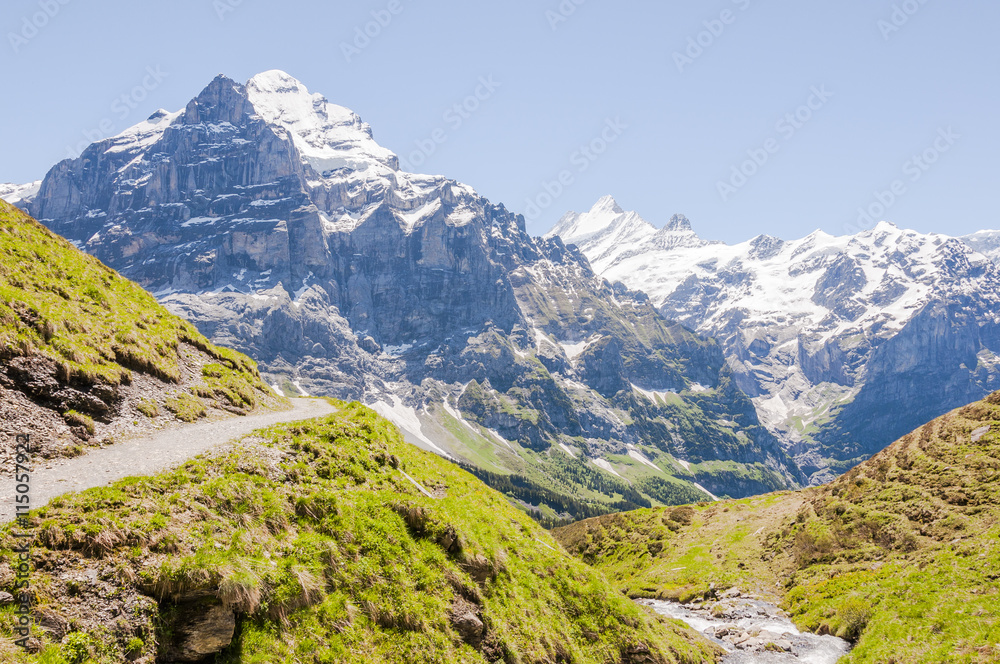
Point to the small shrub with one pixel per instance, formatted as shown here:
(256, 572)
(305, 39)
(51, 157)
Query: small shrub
(682, 515)
(186, 407)
(76, 647)
(75, 419)
(148, 408)
(853, 614)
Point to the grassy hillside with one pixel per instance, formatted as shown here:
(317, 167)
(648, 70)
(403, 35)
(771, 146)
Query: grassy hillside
(560, 485)
(74, 335)
(901, 554)
(329, 541)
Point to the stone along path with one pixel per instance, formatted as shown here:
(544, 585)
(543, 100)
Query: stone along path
(145, 455)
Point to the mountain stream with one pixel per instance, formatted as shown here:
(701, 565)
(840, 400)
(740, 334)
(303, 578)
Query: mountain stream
(754, 632)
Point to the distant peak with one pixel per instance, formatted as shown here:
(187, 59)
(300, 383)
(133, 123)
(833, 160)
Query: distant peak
(886, 226)
(222, 79)
(275, 80)
(160, 113)
(607, 204)
(678, 222)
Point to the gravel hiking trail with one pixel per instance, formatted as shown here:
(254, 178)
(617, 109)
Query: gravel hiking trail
(146, 455)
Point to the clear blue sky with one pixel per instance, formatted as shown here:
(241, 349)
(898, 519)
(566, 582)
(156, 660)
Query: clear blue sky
(559, 84)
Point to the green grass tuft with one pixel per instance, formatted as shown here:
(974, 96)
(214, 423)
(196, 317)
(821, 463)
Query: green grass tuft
(186, 407)
(76, 419)
(148, 408)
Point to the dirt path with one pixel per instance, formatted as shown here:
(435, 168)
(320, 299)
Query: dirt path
(146, 455)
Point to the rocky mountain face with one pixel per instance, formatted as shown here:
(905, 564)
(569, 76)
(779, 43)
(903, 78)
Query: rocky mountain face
(272, 219)
(844, 343)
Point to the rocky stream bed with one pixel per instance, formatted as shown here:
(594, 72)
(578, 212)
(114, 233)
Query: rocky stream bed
(754, 632)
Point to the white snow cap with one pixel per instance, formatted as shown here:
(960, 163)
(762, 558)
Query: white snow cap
(606, 213)
(327, 136)
(15, 193)
(606, 204)
(607, 231)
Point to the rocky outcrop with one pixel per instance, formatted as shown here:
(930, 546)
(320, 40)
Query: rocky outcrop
(464, 617)
(200, 629)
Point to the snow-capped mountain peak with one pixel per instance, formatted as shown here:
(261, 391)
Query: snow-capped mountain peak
(985, 242)
(608, 234)
(328, 136)
(606, 228)
(805, 323)
(328, 149)
(15, 193)
(606, 204)
(678, 222)
(575, 226)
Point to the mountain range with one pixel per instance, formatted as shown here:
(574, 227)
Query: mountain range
(324, 540)
(844, 343)
(271, 219)
(608, 365)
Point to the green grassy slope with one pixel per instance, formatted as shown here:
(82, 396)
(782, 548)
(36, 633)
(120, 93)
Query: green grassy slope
(557, 486)
(93, 327)
(901, 554)
(318, 537)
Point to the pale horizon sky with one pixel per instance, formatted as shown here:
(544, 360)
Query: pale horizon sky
(896, 111)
